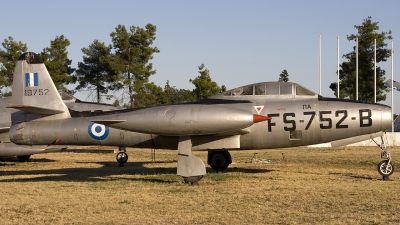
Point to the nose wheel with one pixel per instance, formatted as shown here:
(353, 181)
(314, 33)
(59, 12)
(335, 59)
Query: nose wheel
(385, 168)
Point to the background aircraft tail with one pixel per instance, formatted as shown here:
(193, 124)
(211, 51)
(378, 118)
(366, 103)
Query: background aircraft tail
(33, 90)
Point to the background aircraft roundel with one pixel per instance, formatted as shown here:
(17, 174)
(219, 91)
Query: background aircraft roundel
(98, 131)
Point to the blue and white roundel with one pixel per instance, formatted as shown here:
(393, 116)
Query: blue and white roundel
(98, 131)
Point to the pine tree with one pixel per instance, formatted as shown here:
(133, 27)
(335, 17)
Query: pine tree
(133, 52)
(8, 58)
(284, 76)
(367, 32)
(58, 64)
(205, 87)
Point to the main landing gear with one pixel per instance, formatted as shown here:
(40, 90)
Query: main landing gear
(23, 158)
(385, 167)
(190, 167)
(219, 160)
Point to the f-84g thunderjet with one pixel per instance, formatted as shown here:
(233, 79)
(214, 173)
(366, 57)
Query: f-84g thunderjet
(257, 116)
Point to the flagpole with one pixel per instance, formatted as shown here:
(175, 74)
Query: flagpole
(375, 70)
(357, 68)
(319, 64)
(392, 92)
(338, 81)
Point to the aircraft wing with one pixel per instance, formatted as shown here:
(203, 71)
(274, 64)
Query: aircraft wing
(215, 142)
(107, 122)
(355, 139)
(396, 85)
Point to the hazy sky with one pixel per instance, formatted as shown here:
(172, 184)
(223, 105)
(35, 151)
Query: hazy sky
(240, 42)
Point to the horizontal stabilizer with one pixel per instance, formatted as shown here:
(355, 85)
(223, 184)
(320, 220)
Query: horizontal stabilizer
(4, 129)
(36, 110)
(355, 139)
(107, 122)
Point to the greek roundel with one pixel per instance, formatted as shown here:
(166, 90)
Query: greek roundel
(98, 131)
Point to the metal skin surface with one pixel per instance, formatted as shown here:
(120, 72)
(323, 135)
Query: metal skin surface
(293, 116)
(275, 133)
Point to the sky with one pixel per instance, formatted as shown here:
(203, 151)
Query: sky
(240, 42)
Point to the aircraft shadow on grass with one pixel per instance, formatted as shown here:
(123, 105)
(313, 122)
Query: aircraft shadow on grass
(14, 159)
(365, 177)
(108, 169)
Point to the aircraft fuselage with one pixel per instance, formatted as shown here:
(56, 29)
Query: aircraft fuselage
(295, 122)
(256, 116)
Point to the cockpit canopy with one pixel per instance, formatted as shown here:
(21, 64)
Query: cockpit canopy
(280, 89)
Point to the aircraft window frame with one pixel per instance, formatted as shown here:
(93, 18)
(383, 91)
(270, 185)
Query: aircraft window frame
(236, 92)
(248, 90)
(262, 90)
(271, 89)
(303, 90)
(285, 88)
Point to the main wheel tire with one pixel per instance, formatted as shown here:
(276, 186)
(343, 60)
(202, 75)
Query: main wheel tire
(23, 158)
(219, 160)
(385, 169)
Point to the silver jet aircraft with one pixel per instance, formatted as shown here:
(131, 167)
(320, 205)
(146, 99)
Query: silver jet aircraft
(257, 116)
(23, 153)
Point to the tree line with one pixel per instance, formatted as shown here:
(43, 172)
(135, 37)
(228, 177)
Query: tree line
(367, 33)
(125, 65)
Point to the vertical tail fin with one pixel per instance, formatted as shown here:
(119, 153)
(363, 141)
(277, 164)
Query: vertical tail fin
(33, 90)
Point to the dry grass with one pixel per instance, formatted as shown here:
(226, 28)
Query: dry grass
(318, 185)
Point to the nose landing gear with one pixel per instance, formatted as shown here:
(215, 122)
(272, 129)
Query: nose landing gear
(385, 167)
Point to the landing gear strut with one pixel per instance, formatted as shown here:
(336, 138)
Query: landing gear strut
(122, 157)
(23, 158)
(190, 167)
(385, 167)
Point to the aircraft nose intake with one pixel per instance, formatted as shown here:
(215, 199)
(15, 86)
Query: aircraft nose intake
(260, 118)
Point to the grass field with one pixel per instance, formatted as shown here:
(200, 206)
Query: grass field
(299, 186)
